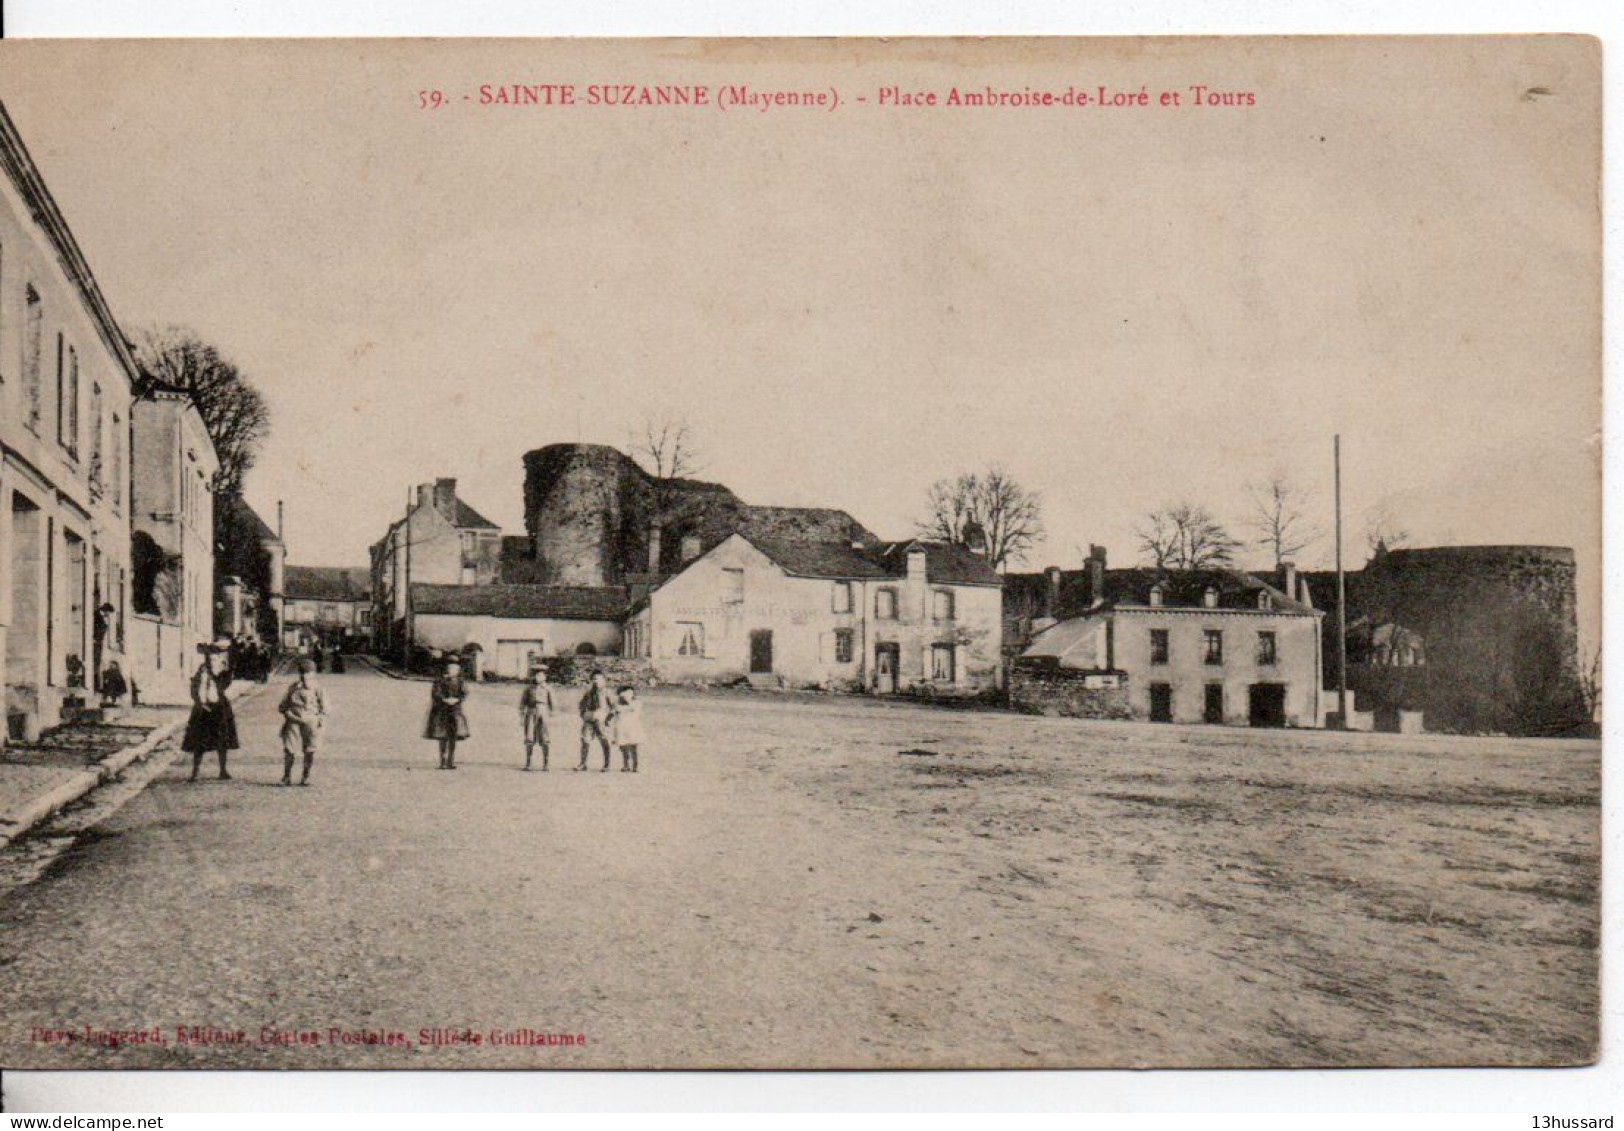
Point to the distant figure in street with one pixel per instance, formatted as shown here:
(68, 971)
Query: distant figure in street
(628, 723)
(303, 708)
(535, 709)
(597, 708)
(447, 724)
(212, 725)
(113, 685)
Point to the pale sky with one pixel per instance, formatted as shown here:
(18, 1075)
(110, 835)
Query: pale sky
(1398, 242)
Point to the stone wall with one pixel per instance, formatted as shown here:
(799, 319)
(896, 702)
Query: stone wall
(1058, 691)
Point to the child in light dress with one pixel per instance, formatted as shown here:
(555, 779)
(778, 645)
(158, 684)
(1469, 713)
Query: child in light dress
(628, 728)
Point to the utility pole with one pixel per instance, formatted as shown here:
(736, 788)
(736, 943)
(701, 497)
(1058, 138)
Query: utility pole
(1341, 598)
(406, 533)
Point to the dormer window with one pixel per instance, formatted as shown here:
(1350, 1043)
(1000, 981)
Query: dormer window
(1156, 595)
(1264, 601)
(1209, 599)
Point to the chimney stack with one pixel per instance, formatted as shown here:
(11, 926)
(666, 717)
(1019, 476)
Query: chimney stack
(1051, 592)
(654, 548)
(690, 548)
(425, 494)
(1096, 575)
(445, 497)
(1288, 579)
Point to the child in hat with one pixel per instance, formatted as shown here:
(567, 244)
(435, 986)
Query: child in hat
(535, 706)
(303, 708)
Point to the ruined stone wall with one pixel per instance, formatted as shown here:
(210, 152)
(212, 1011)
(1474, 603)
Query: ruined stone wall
(1056, 691)
(575, 503)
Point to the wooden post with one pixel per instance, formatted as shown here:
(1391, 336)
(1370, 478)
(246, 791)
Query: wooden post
(1341, 598)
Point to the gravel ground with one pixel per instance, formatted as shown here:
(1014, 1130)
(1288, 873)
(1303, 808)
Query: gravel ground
(806, 882)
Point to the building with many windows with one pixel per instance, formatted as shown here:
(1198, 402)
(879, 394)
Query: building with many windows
(326, 605)
(889, 617)
(66, 377)
(1186, 646)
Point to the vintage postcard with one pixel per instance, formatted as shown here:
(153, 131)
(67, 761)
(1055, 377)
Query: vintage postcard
(921, 553)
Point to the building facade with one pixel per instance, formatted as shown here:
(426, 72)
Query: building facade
(66, 376)
(329, 605)
(172, 542)
(250, 565)
(505, 629)
(440, 541)
(1179, 646)
(895, 617)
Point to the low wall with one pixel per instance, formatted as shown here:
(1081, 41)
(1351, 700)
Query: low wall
(576, 671)
(1065, 693)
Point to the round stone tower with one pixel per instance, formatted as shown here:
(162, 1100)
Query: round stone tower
(580, 500)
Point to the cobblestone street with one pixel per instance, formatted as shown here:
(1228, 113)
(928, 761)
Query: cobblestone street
(806, 881)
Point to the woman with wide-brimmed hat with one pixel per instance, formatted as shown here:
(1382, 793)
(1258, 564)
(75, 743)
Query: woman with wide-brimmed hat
(212, 725)
(447, 724)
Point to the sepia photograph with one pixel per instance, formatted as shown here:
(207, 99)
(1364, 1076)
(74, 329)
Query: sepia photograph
(917, 553)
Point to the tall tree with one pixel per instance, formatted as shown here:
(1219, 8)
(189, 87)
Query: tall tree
(1280, 517)
(989, 507)
(1185, 535)
(667, 451)
(236, 416)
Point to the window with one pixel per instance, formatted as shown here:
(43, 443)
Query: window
(1263, 600)
(72, 426)
(733, 586)
(98, 427)
(118, 462)
(33, 327)
(843, 645)
(1158, 645)
(1266, 648)
(885, 604)
(842, 597)
(691, 637)
(61, 392)
(1156, 595)
(942, 607)
(1215, 646)
(941, 662)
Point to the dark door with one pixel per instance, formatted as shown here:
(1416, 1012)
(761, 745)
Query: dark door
(761, 650)
(1161, 702)
(886, 660)
(1213, 709)
(1267, 705)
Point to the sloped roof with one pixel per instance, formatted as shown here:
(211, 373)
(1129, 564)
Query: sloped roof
(247, 517)
(818, 559)
(807, 524)
(1181, 588)
(945, 563)
(560, 602)
(467, 518)
(326, 583)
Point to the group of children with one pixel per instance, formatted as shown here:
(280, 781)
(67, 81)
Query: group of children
(612, 720)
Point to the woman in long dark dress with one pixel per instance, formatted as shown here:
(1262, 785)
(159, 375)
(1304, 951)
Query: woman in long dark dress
(212, 725)
(447, 724)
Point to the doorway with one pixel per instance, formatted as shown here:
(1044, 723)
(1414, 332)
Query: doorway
(1161, 702)
(1267, 705)
(887, 659)
(1212, 706)
(761, 651)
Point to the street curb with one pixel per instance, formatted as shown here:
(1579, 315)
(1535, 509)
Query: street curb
(17, 823)
(391, 672)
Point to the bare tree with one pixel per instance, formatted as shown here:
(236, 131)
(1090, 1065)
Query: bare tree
(1383, 529)
(1590, 685)
(1185, 535)
(989, 507)
(666, 448)
(1280, 519)
(235, 415)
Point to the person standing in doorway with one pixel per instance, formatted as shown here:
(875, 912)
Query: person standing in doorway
(597, 708)
(447, 724)
(304, 709)
(212, 725)
(535, 710)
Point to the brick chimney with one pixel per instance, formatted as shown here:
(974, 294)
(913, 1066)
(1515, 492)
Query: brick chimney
(916, 564)
(1051, 592)
(425, 494)
(654, 548)
(1288, 579)
(445, 497)
(1096, 576)
(690, 548)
